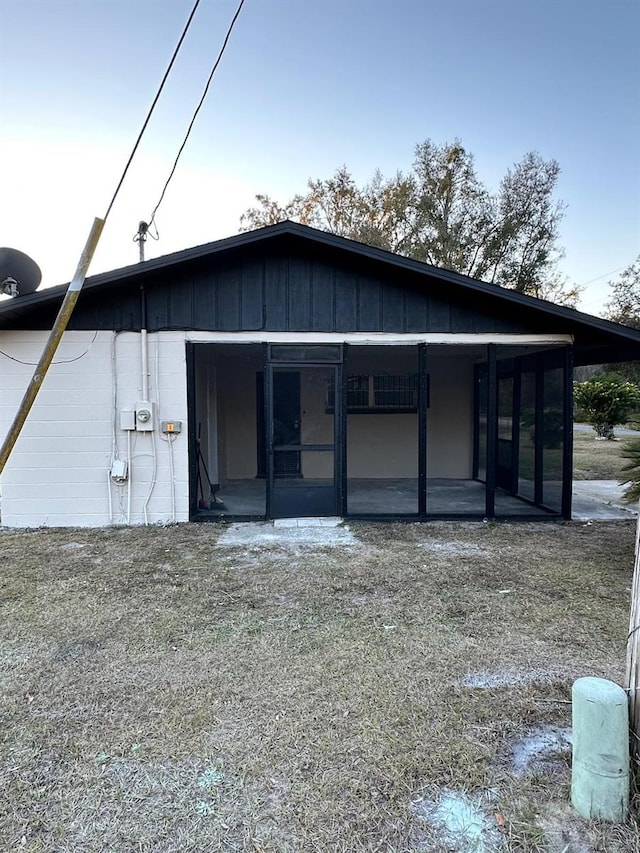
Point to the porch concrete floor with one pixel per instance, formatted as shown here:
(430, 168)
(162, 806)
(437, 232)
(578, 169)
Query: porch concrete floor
(379, 497)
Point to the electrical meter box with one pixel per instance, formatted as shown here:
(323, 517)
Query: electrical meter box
(144, 416)
(119, 471)
(127, 420)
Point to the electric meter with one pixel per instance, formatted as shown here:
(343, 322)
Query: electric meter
(144, 416)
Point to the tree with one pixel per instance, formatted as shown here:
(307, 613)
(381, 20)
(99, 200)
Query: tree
(624, 307)
(443, 214)
(374, 214)
(624, 304)
(607, 399)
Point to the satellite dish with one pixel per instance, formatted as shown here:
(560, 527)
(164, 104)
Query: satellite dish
(19, 274)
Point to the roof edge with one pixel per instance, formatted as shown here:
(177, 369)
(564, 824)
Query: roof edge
(334, 241)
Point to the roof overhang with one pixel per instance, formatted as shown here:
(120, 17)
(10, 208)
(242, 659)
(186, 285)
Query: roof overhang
(597, 340)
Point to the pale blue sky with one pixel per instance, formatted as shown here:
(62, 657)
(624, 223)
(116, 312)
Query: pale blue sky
(307, 86)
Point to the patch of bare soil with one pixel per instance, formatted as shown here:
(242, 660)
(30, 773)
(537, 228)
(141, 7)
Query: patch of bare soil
(160, 693)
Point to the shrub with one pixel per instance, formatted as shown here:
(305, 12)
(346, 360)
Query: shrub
(631, 451)
(607, 399)
(553, 434)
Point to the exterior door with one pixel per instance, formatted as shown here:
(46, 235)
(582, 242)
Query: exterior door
(303, 470)
(286, 423)
(286, 394)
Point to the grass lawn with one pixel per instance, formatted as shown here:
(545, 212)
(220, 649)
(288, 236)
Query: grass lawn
(597, 460)
(592, 460)
(161, 692)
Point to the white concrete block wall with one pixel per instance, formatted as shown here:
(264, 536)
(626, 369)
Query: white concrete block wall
(58, 472)
(150, 462)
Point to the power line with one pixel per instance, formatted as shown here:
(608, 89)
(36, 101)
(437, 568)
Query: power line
(73, 291)
(153, 105)
(586, 303)
(197, 110)
(604, 275)
(60, 361)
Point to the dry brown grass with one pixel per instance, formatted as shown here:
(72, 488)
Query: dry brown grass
(597, 460)
(161, 694)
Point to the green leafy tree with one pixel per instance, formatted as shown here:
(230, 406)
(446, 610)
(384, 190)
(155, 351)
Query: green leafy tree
(607, 399)
(442, 213)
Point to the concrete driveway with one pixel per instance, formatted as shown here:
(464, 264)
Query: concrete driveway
(617, 430)
(600, 499)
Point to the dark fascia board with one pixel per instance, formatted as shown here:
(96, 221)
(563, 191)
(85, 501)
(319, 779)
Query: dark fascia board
(18, 306)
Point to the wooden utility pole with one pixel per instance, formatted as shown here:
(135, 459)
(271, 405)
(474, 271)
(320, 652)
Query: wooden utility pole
(55, 336)
(141, 238)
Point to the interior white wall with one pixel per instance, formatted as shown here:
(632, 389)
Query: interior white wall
(382, 445)
(205, 414)
(379, 445)
(450, 414)
(212, 421)
(386, 445)
(57, 474)
(236, 408)
(316, 425)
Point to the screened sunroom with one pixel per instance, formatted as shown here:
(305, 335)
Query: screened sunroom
(288, 372)
(381, 430)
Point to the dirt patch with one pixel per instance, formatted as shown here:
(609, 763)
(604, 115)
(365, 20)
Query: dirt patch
(541, 749)
(452, 549)
(464, 823)
(264, 534)
(509, 678)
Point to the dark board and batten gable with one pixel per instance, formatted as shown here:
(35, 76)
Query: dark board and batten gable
(284, 291)
(294, 292)
(289, 278)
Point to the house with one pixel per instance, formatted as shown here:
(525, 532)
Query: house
(289, 372)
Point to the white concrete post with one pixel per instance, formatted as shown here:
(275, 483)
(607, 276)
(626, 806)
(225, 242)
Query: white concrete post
(600, 773)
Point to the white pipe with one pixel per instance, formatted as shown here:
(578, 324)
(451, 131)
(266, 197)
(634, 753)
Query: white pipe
(110, 501)
(114, 402)
(129, 474)
(114, 388)
(153, 476)
(144, 357)
(157, 368)
(170, 440)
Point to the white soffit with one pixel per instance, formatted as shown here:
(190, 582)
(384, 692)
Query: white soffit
(373, 338)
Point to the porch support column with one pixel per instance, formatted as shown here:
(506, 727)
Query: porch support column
(423, 402)
(567, 444)
(192, 436)
(492, 431)
(268, 437)
(342, 405)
